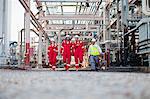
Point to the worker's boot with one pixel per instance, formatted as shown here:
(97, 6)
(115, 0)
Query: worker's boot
(53, 68)
(67, 68)
(77, 67)
(50, 66)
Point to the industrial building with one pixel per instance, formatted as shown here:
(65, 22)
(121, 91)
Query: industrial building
(75, 49)
(121, 28)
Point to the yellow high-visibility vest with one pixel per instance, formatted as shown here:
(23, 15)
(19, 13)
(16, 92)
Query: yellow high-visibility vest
(94, 51)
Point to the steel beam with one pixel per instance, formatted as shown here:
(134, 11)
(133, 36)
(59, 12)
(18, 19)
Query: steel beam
(26, 7)
(68, 0)
(71, 17)
(66, 26)
(75, 30)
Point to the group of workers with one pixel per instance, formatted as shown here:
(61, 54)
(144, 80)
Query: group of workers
(73, 47)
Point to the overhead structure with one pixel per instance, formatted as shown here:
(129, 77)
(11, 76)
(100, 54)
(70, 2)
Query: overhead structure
(71, 17)
(57, 16)
(115, 24)
(69, 0)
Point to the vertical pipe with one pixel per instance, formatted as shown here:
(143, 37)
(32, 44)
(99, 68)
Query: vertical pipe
(104, 24)
(20, 34)
(122, 28)
(118, 20)
(40, 44)
(27, 32)
(40, 50)
(46, 51)
(19, 47)
(98, 34)
(118, 30)
(44, 48)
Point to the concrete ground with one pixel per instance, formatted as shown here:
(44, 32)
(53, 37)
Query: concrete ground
(73, 85)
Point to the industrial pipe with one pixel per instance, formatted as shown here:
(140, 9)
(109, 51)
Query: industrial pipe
(20, 40)
(144, 7)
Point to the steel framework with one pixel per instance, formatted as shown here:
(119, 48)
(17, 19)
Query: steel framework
(54, 16)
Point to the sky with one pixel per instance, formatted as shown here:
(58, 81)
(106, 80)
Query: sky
(17, 19)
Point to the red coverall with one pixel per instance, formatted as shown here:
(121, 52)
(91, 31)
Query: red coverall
(52, 53)
(73, 48)
(66, 46)
(79, 48)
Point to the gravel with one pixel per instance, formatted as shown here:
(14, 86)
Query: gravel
(73, 85)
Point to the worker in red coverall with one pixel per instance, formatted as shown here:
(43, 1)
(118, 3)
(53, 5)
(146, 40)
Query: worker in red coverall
(52, 53)
(79, 48)
(66, 52)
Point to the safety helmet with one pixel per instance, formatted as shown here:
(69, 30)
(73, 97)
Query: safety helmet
(73, 39)
(67, 36)
(76, 36)
(93, 40)
(52, 39)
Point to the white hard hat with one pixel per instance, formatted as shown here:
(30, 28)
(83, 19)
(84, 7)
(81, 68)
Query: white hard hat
(67, 35)
(73, 39)
(52, 39)
(93, 40)
(76, 36)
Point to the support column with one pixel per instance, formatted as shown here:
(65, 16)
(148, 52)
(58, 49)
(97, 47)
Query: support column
(40, 50)
(98, 35)
(40, 46)
(125, 43)
(118, 24)
(27, 34)
(107, 30)
(118, 36)
(149, 59)
(122, 37)
(46, 42)
(104, 22)
(19, 47)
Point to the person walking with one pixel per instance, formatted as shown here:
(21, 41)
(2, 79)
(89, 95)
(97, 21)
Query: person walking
(94, 52)
(66, 52)
(79, 52)
(52, 54)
